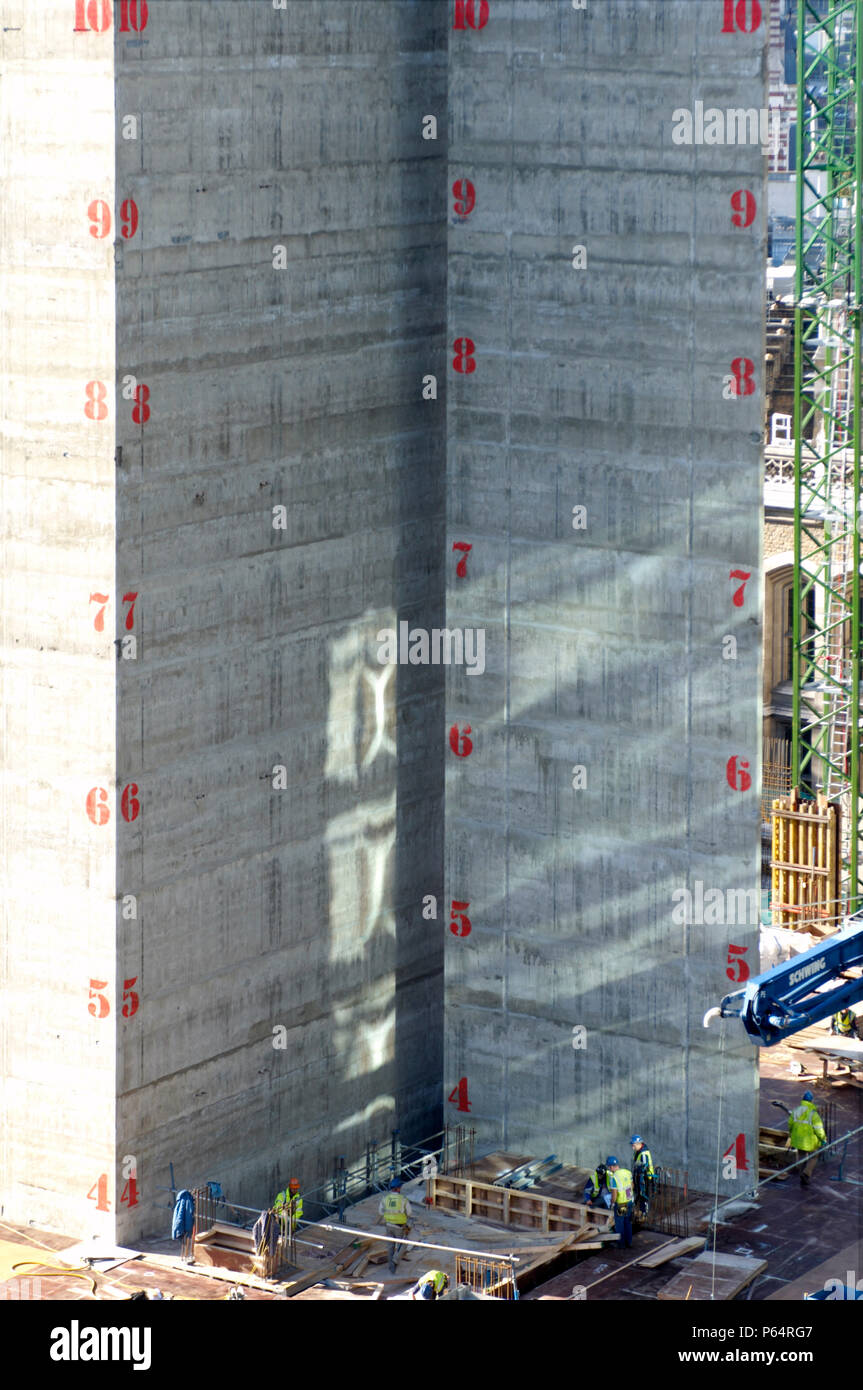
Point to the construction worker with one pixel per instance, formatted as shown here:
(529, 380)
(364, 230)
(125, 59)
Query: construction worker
(280, 1211)
(846, 1024)
(642, 1173)
(295, 1204)
(623, 1200)
(598, 1189)
(432, 1285)
(395, 1212)
(806, 1135)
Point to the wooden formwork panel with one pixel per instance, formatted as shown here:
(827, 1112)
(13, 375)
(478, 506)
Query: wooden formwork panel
(526, 1210)
(805, 864)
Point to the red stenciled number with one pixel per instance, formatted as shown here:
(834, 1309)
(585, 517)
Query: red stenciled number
(743, 207)
(738, 970)
(141, 410)
(471, 15)
(465, 197)
(133, 15)
(459, 1093)
(130, 616)
(460, 924)
(99, 620)
(129, 803)
(737, 600)
(130, 998)
(97, 806)
(95, 408)
(100, 1187)
(461, 567)
(739, 1150)
(92, 11)
(459, 742)
(464, 361)
(741, 15)
(100, 218)
(742, 369)
(130, 1193)
(129, 214)
(737, 776)
(104, 1008)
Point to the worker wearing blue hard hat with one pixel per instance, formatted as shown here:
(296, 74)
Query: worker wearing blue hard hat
(642, 1174)
(394, 1211)
(622, 1192)
(806, 1134)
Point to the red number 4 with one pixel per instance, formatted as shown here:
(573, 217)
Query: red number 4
(100, 1188)
(459, 1094)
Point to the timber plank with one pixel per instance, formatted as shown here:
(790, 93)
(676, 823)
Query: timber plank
(670, 1252)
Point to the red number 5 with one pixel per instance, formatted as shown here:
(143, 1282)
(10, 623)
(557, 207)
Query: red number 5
(738, 970)
(130, 998)
(460, 924)
(104, 1007)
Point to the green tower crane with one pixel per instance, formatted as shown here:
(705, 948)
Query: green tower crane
(826, 621)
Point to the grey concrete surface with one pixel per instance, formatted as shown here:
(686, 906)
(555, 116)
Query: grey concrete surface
(602, 387)
(298, 906)
(257, 908)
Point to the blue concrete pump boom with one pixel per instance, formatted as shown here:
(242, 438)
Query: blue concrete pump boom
(789, 997)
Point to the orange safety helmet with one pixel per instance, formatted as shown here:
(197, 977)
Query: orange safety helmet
(295, 1184)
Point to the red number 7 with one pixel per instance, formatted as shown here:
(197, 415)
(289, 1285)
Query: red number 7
(738, 970)
(99, 620)
(130, 616)
(461, 567)
(738, 595)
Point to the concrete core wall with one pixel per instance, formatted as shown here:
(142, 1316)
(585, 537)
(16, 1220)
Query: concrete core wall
(278, 294)
(280, 277)
(602, 726)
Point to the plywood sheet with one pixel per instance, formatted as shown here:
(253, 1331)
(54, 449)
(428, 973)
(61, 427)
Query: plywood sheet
(696, 1281)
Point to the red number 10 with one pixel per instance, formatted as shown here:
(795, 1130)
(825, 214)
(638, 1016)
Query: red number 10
(96, 15)
(744, 15)
(470, 16)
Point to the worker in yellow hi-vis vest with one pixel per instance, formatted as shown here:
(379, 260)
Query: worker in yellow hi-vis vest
(395, 1212)
(624, 1200)
(806, 1135)
(288, 1207)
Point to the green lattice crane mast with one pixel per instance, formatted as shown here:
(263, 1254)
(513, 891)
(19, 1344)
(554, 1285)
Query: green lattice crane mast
(827, 383)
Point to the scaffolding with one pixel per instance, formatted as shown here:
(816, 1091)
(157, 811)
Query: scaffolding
(827, 385)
